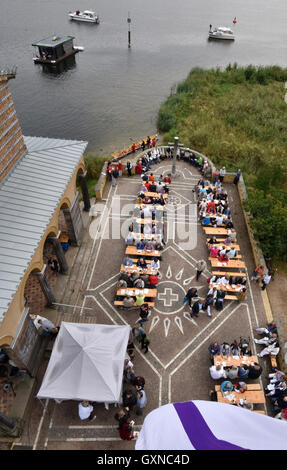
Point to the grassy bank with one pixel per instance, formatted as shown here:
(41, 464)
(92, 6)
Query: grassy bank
(238, 118)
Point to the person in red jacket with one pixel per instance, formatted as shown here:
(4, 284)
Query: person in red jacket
(223, 257)
(153, 280)
(211, 207)
(120, 168)
(167, 179)
(139, 168)
(147, 185)
(134, 147)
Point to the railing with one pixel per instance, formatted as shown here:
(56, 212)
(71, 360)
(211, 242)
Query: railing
(9, 72)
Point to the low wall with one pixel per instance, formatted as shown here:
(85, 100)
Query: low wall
(102, 182)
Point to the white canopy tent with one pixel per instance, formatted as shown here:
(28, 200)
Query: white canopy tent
(86, 363)
(206, 425)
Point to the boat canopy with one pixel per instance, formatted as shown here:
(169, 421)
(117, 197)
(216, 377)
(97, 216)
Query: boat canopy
(53, 41)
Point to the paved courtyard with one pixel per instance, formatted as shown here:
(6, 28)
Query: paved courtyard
(176, 366)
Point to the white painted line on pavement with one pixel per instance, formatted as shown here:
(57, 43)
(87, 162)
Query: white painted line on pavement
(40, 424)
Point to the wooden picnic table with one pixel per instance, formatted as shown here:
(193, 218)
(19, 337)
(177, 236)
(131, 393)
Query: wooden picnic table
(250, 387)
(132, 250)
(215, 231)
(253, 396)
(134, 291)
(136, 269)
(156, 206)
(225, 287)
(139, 220)
(148, 194)
(147, 236)
(231, 264)
(227, 361)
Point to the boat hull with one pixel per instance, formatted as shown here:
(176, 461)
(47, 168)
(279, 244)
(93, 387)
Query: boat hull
(217, 38)
(84, 20)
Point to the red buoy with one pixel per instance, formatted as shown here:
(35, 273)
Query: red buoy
(234, 20)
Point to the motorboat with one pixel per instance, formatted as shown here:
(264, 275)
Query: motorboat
(221, 33)
(87, 15)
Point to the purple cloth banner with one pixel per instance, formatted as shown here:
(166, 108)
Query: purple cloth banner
(198, 431)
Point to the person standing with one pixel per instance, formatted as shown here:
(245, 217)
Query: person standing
(197, 306)
(237, 177)
(200, 267)
(120, 168)
(266, 280)
(129, 168)
(145, 341)
(141, 401)
(86, 410)
(222, 172)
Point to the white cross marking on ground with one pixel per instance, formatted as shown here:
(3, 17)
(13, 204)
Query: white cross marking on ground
(168, 297)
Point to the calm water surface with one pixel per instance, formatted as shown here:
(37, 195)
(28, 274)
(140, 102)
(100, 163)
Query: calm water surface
(111, 93)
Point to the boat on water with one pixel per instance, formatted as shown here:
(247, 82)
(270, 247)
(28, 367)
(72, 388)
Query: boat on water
(87, 15)
(221, 33)
(54, 49)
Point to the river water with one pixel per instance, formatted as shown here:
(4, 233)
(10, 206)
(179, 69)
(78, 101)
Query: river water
(111, 94)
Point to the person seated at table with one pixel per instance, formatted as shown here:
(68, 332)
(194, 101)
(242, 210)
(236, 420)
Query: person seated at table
(272, 349)
(149, 246)
(278, 388)
(147, 229)
(129, 239)
(267, 340)
(227, 222)
(126, 276)
(127, 261)
(201, 182)
(235, 349)
(240, 387)
(211, 207)
(244, 345)
(214, 251)
(232, 234)
(226, 386)
(222, 251)
(140, 300)
(128, 301)
(139, 283)
(270, 328)
(225, 349)
(206, 220)
(243, 372)
(217, 372)
(219, 220)
(147, 200)
(232, 372)
(151, 177)
(212, 241)
(222, 195)
(280, 403)
(122, 284)
(255, 370)
(152, 281)
(223, 258)
(155, 263)
(141, 263)
(231, 253)
(143, 188)
(227, 241)
(214, 350)
(153, 188)
(140, 245)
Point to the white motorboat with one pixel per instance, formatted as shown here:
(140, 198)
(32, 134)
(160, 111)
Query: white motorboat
(86, 15)
(221, 33)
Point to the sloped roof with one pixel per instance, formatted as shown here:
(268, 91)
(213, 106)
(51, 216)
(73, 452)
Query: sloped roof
(29, 196)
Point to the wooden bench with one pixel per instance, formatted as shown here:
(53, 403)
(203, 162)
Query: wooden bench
(260, 411)
(215, 231)
(148, 194)
(249, 387)
(120, 303)
(231, 297)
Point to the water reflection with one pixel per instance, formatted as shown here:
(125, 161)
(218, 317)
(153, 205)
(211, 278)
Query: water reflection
(62, 67)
